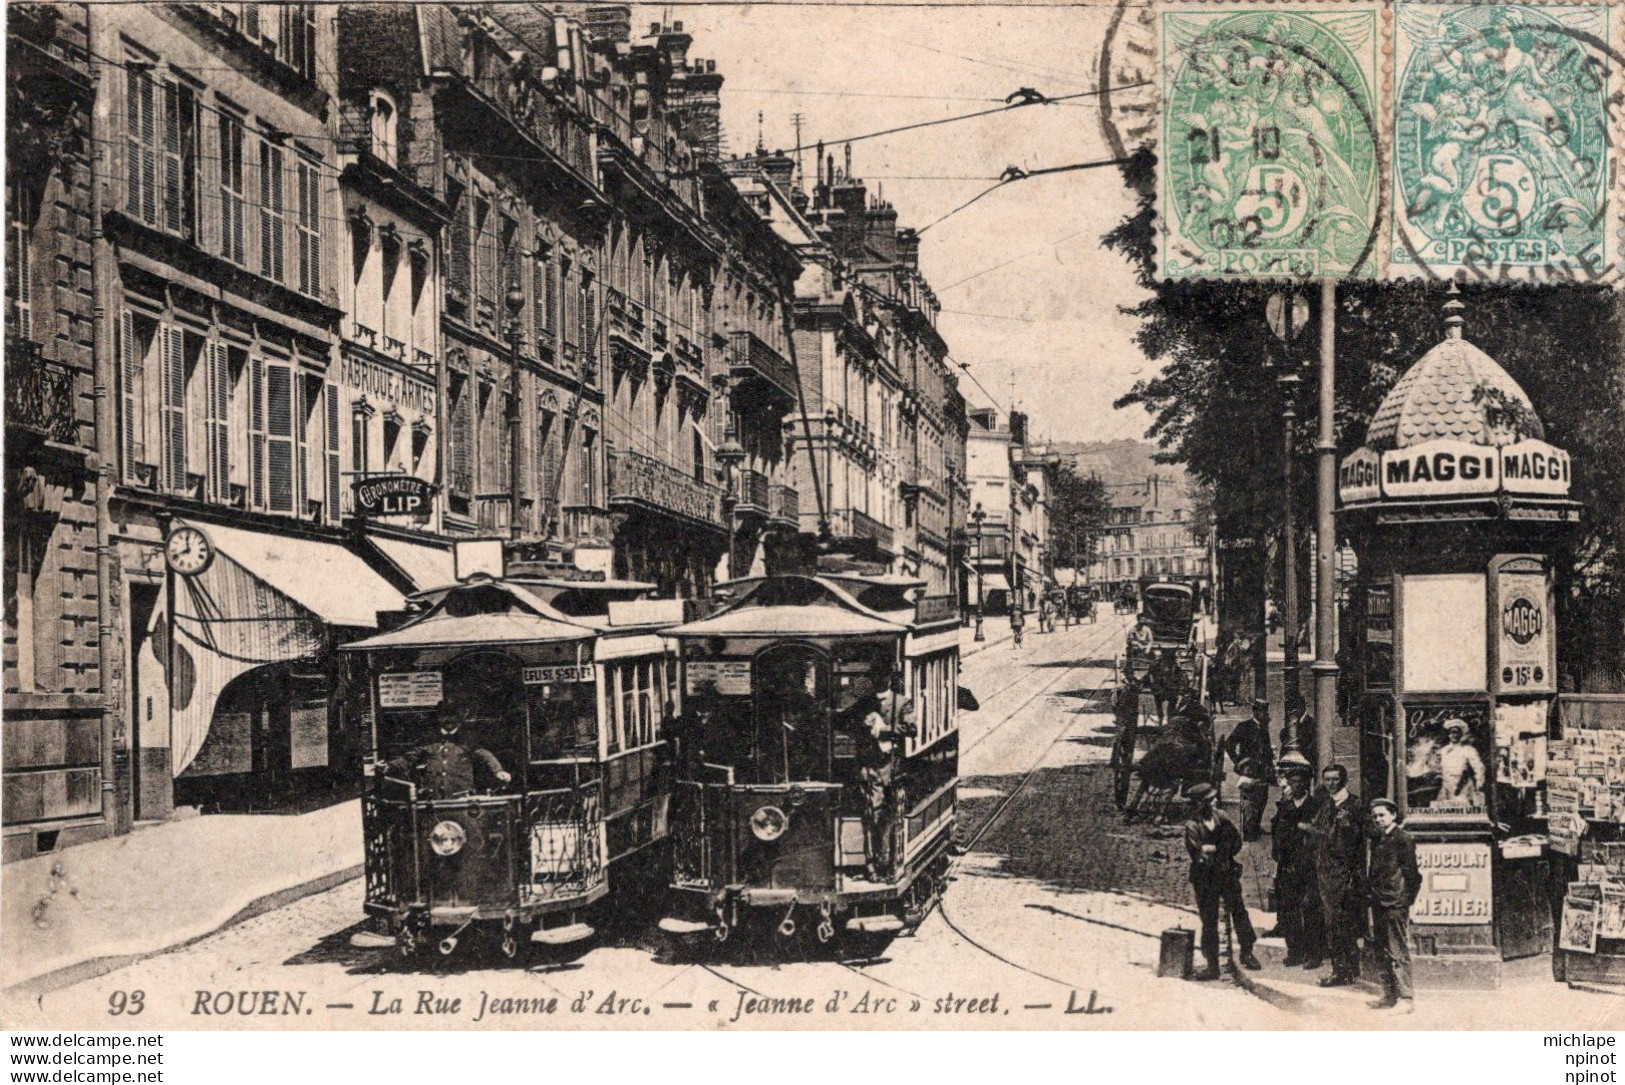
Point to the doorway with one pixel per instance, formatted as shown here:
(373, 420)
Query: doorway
(150, 796)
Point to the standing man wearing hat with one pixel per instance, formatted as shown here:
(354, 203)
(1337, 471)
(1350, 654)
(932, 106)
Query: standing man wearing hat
(1213, 844)
(446, 769)
(1292, 846)
(1394, 883)
(1461, 770)
(1248, 746)
(1299, 730)
(1339, 829)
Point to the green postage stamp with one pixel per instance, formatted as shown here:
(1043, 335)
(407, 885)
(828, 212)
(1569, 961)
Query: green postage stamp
(1269, 161)
(1502, 150)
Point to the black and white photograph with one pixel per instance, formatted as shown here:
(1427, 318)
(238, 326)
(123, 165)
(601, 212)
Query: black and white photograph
(1093, 516)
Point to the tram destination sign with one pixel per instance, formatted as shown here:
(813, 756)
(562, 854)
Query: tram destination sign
(393, 495)
(547, 676)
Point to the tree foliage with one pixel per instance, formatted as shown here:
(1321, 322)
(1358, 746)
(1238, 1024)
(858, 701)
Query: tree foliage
(1078, 508)
(1217, 410)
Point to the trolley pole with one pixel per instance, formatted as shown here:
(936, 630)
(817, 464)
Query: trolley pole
(1324, 667)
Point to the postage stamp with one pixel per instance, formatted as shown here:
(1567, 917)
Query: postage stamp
(1270, 159)
(1503, 141)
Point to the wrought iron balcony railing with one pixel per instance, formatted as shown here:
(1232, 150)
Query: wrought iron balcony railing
(639, 480)
(752, 492)
(39, 393)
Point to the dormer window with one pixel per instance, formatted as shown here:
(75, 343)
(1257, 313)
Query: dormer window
(382, 107)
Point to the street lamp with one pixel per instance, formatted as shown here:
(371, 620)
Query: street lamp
(1288, 314)
(976, 517)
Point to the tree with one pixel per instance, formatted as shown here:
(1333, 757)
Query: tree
(1078, 509)
(1216, 410)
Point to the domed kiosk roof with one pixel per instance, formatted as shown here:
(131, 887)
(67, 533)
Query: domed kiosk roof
(1454, 392)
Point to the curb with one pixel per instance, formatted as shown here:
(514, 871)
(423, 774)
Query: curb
(91, 968)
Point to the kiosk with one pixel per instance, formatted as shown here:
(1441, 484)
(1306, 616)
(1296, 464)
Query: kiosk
(1454, 506)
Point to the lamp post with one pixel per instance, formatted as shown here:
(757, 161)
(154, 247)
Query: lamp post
(1288, 314)
(515, 301)
(976, 517)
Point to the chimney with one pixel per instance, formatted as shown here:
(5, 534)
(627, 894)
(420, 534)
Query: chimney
(701, 109)
(779, 168)
(908, 249)
(1018, 428)
(881, 229)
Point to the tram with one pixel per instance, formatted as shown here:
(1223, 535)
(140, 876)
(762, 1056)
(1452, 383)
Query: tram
(778, 815)
(563, 684)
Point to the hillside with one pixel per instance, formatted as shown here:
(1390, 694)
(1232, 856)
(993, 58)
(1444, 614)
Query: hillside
(1118, 461)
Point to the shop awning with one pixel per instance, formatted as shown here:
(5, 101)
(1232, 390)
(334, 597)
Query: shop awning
(323, 577)
(425, 566)
(995, 582)
(443, 630)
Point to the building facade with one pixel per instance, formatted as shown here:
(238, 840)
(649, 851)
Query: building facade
(1150, 531)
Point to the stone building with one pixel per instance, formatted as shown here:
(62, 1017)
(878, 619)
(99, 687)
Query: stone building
(1151, 530)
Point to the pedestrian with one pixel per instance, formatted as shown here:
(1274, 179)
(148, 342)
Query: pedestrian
(1297, 894)
(1394, 884)
(1167, 682)
(1250, 753)
(1213, 845)
(1339, 829)
(446, 769)
(1017, 619)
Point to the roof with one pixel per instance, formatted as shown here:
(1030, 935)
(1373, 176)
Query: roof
(479, 611)
(323, 577)
(1449, 394)
(792, 606)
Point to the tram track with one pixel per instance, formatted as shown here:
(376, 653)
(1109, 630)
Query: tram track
(1051, 684)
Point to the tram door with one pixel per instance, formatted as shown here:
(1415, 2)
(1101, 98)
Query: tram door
(792, 715)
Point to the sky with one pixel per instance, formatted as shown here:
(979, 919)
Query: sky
(1048, 317)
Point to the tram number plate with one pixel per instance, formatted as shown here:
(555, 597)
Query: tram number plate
(568, 672)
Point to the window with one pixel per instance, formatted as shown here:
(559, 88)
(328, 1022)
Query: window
(460, 245)
(589, 467)
(542, 301)
(330, 430)
(135, 340)
(547, 451)
(299, 38)
(589, 320)
(461, 438)
(141, 138)
(485, 256)
(307, 194)
(360, 413)
(271, 434)
(172, 407)
(272, 222)
(162, 153)
(20, 262)
(217, 420)
(572, 302)
(231, 189)
(383, 127)
(504, 449)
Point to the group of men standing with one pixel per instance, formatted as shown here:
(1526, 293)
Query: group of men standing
(1326, 875)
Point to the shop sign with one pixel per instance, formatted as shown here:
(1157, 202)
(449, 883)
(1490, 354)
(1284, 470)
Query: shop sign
(410, 689)
(393, 495)
(547, 676)
(1455, 883)
(1523, 634)
(1535, 467)
(934, 608)
(729, 677)
(1443, 468)
(1358, 477)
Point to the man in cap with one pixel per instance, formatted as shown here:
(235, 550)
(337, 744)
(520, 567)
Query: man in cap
(1297, 894)
(1339, 829)
(1248, 747)
(445, 769)
(1461, 770)
(1394, 883)
(1213, 844)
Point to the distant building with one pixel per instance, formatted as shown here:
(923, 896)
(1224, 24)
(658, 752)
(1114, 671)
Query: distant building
(1150, 531)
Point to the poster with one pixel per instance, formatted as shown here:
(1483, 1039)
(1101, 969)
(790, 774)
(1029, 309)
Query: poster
(1579, 931)
(1522, 634)
(1611, 912)
(307, 735)
(1442, 643)
(410, 689)
(729, 677)
(1455, 883)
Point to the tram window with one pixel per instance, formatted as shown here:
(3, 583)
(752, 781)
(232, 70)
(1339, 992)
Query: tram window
(563, 721)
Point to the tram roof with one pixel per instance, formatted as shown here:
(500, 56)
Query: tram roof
(783, 606)
(481, 611)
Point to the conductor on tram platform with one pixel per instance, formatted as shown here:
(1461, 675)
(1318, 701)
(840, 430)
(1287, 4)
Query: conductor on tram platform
(888, 716)
(446, 768)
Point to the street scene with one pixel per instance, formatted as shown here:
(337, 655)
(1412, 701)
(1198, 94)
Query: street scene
(814, 516)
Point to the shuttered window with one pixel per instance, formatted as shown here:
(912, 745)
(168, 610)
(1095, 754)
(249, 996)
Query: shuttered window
(589, 320)
(217, 420)
(232, 195)
(133, 398)
(547, 452)
(461, 437)
(172, 360)
(141, 146)
(308, 195)
(273, 224)
(485, 256)
(542, 294)
(279, 437)
(256, 432)
(570, 304)
(20, 264)
(330, 430)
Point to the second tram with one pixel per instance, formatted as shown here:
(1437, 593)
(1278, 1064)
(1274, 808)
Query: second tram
(818, 757)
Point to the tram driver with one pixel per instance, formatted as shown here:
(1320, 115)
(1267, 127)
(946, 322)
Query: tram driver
(446, 769)
(882, 719)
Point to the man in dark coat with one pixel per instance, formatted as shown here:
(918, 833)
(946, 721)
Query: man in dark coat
(1394, 883)
(1339, 829)
(1250, 753)
(447, 768)
(1299, 730)
(1213, 844)
(1292, 846)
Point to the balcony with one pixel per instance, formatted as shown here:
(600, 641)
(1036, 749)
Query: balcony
(586, 523)
(763, 373)
(852, 524)
(688, 353)
(640, 481)
(786, 506)
(491, 512)
(39, 393)
(752, 493)
(531, 111)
